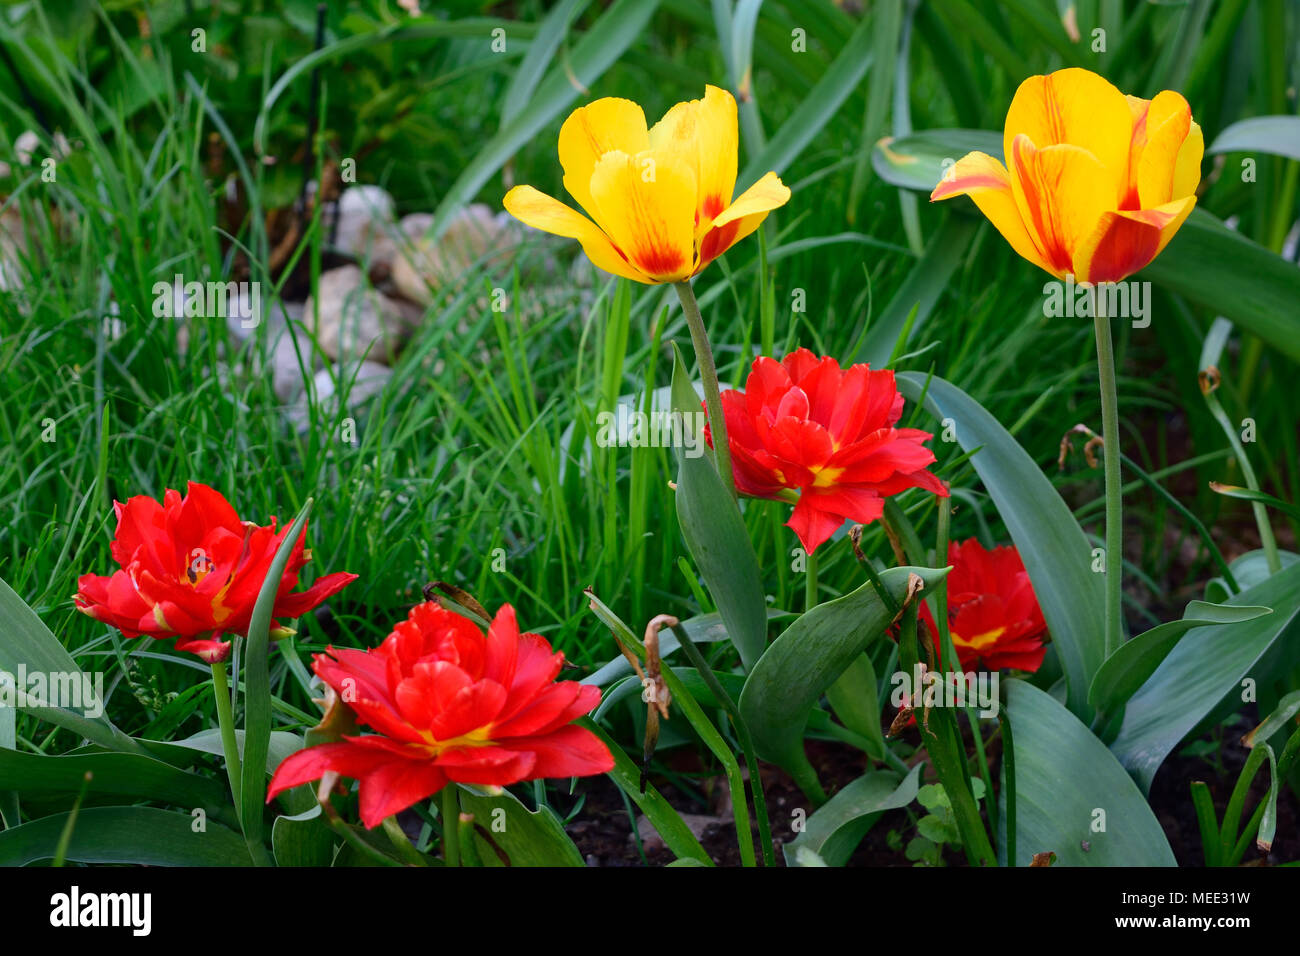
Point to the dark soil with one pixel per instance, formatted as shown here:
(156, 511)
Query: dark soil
(603, 829)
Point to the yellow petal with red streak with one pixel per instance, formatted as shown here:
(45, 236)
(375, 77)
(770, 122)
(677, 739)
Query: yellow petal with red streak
(592, 131)
(742, 217)
(1075, 107)
(702, 135)
(986, 181)
(1187, 168)
(1125, 241)
(1061, 192)
(1168, 122)
(536, 209)
(646, 205)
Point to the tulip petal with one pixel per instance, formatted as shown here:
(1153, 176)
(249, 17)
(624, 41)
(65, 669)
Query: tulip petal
(1187, 168)
(743, 216)
(1075, 107)
(569, 752)
(1124, 241)
(393, 786)
(1168, 121)
(987, 182)
(1061, 192)
(540, 211)
(592, 131)
(300, 602)
(645, 203)
(702, 134)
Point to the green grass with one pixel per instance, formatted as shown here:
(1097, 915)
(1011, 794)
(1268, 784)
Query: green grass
(481, 439)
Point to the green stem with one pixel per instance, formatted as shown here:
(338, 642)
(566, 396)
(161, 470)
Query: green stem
(709, 375)
(226, 721)
(1114, 497)
(810, 582)
(746, 742)
(397, 837)
(450, 825)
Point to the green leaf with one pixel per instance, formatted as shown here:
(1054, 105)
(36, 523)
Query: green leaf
(1207, 664)
(304, 839)
(1279, 135)
(818, 108)
(132, 775)
(26, 641)
(834, 831)
(282, 743)
(1137, 659)
(807, 658)
(701, 629)
(139, 835)
(551, 32)
(1248, 569)
(1056, 554)
(1263, 497)
(1064, 776)
(528, 838)
(1229, 275)
(716, 536)
(919, 161)
(257, 688)
(1280, 719)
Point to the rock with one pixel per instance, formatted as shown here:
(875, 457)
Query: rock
(365, 214)
(357, 321)
(476, 239)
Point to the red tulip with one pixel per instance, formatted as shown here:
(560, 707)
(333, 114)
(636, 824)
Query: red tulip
(804, 424)
(993, 615)
(190, 569)
(450, 705)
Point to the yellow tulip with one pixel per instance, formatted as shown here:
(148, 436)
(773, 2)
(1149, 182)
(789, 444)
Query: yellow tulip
(1096, 182)
(660, 198)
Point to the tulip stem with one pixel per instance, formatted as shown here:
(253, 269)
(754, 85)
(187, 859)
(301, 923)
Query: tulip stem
(1114, 493)
(450, 825)
(226, 721)
(709, 375)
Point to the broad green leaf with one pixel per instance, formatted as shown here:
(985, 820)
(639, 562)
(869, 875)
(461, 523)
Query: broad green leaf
(1137, 659)
(668, 823)
(856, 703)
(1249, 569)
(1279, 135)
(1229, 275)
(1065, 778)
(834, 831)
(132, 775)
(808, 658)
(716, 536)
(1056, 554)
(139, 835)
(1206, 666)
(526, 837)
(1278, 720)
(255, 748)
(818, 108)
(26, 641)
(920, 160)
(282, 743)
(303, 839)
